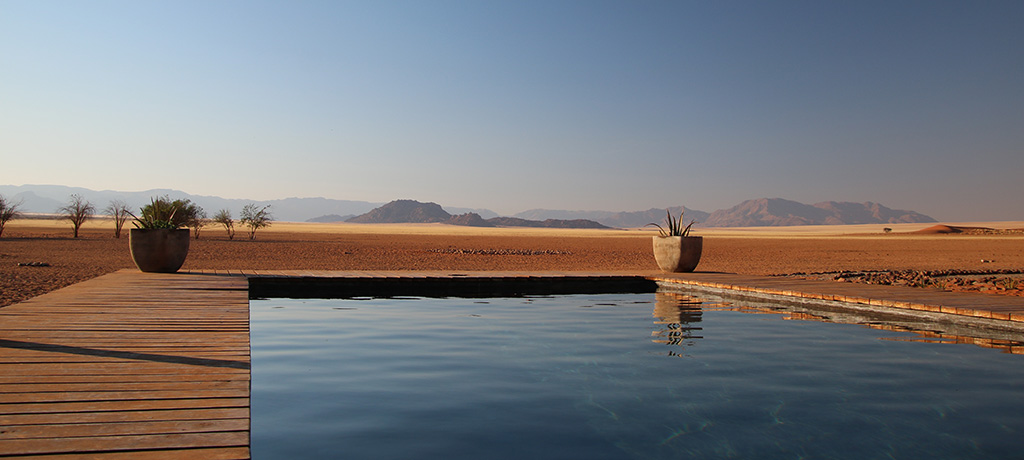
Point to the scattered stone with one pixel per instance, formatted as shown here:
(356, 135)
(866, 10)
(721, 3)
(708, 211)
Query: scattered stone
(500, 252)
(1006, 281)
(33, 264)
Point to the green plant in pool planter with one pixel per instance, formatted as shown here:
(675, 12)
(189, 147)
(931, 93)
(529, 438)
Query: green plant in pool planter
(675, 226)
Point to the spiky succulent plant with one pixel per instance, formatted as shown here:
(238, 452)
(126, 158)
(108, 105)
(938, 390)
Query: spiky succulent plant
(675, 226)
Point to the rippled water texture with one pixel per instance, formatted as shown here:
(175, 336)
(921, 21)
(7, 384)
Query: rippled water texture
(619, 376)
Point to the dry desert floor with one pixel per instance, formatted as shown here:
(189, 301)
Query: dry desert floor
(37, 256)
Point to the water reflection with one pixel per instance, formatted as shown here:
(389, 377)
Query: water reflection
(678, 316)
(1005, 345)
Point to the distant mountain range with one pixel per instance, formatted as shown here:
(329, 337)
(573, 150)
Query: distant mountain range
(758, 212)
(410, 211)
(632, 219)
(770, 212)
(763, 212)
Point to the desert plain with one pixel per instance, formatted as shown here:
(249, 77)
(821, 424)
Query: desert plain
(40, 255)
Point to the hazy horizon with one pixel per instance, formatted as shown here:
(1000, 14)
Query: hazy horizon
(512, 106)
(48, 197)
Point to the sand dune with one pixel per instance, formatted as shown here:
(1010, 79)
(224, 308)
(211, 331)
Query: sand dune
(860, 230)
(939, 230)
(943, 229)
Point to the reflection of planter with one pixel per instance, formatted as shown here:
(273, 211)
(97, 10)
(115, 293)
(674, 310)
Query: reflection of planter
(678, 253)
(160, 250)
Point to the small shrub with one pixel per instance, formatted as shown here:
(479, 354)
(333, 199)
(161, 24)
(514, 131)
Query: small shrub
(223, 217)
(255, 218)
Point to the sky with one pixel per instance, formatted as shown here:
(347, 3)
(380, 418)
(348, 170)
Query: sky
(516, 105)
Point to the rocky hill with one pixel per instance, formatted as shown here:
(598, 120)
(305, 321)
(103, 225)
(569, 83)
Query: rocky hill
(571, 223)
(767, 212)
(330, 218)
(870, 213)
(410, 211)
(548, 223)
(625, 219)
(469, 219)
(403, 211)
(655, 215)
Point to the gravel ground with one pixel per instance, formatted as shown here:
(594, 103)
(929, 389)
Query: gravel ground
(38, 260)
(1003, 281)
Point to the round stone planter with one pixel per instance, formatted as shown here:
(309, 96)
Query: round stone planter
(159, 250)
(676, 254)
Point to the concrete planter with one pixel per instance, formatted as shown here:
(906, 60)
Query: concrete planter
(678, 254)
(159, 250)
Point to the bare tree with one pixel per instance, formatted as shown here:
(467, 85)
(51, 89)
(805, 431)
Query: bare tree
(197, 219)
(255, 218)
(78, 210)
(8, 211)
(223, 217)
(119, 211)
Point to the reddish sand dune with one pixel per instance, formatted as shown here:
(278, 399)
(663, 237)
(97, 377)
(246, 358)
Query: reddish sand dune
(939, 229)
(943, 229)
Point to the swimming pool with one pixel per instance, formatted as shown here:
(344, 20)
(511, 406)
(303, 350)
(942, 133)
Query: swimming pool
(614, 376)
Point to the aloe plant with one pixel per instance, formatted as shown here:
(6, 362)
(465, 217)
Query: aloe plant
(158, 214)
(675, 226)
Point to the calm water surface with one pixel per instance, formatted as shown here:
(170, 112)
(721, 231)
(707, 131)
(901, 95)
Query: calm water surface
(619, 376)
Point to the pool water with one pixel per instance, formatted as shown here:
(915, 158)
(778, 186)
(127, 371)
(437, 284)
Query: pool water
(614, 376)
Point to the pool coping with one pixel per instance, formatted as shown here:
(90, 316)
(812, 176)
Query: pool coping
(990, 311)
(1002, 310)
(145, 365)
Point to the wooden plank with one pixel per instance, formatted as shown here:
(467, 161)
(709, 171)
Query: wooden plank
(125, 368)
(78, 430)
(28, 358)
(48, 386)
(114, 406)
(224, 453)
(97, 378)
(126, 416)
(124, 443)
(69, 396)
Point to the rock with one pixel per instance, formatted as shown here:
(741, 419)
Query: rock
(469, 219)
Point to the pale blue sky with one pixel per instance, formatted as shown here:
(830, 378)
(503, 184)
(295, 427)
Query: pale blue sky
(513, 105)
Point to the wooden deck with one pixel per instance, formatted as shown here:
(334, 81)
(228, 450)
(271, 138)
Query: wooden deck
(134, 365)
(129, 365)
